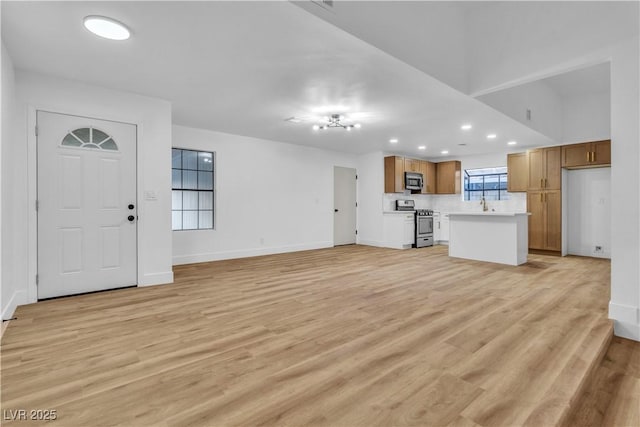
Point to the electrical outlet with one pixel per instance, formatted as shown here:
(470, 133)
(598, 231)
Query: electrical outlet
(598, 249)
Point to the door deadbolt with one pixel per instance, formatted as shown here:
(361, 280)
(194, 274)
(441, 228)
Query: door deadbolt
(131, 207)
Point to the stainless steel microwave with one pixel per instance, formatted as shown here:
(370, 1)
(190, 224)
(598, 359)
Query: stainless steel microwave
(413, 181)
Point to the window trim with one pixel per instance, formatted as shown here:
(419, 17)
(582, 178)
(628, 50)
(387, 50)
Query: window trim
(213, 190)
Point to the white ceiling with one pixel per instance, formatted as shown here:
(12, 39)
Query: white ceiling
(579, 82)
(243, 67)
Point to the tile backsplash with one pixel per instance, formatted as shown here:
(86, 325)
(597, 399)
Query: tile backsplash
(453, 203)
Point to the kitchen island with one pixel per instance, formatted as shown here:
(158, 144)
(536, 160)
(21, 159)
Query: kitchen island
(500, 237)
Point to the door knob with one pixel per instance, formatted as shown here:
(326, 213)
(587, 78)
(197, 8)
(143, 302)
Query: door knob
(131, 218)
(131, 207)
(335, 210)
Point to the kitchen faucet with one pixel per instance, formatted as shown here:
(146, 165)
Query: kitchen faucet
(483, 202)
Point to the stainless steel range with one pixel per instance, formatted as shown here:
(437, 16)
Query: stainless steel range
(424, 228)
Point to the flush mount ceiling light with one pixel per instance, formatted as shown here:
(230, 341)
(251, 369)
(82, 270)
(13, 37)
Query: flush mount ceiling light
(465, 127)
(335, 122)
(491, 136)
(393, 140)
(511, 143)
(444, 152)
(106, 27)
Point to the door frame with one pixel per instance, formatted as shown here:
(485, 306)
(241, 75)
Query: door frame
(32, 184)
(333, 190)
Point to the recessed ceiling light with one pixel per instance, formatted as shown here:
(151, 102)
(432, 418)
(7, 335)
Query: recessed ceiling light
(512, 142)
(357, 126)
(422, 147)
(393, 140)
(106, 27)
(465, 127)
(444, 152)
(491, 136)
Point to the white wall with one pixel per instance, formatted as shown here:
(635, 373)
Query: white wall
(9, 298)
(588, 215)
(153, 118)
(370, 191)
(545, 106)
(625, 181)
(586, 117)
(270, 197)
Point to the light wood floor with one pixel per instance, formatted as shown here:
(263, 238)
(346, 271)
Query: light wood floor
(613, 397)
(348, 336)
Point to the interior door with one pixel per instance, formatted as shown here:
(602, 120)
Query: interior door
(344, 204)
(86, 204)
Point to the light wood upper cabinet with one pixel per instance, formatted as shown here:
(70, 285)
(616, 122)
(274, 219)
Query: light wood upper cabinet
(394, 174)
(517, 172)
(601, 153)
(587, 155)
(545, 171)
(448, 177)
(412, 165)
(428, 170)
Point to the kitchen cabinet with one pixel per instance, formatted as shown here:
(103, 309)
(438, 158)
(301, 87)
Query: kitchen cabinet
(398, 229)
(448, 176)
(440, 227)
(545, 222)
(409, 228)
(586, 155)
(428, 170)
(412, 165)
(394, 174)
(545, 170)
(517, 172)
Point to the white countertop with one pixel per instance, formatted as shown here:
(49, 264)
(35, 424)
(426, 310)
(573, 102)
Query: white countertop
(398, 212)
(488, 213)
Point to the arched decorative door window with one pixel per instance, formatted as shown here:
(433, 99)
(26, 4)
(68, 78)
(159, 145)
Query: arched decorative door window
(89, 138)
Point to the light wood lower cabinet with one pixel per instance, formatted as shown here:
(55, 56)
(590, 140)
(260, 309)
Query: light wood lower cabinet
(545, 222)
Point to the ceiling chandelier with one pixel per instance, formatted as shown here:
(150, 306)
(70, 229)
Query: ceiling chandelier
(334, 122)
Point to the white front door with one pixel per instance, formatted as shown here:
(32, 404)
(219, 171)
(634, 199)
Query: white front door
(86, 205)
(344, 204)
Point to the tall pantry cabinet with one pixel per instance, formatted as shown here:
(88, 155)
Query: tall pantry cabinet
(544, 198)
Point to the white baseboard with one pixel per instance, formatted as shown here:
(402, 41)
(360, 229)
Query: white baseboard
(605, 255)
(245, 253)
(624, 313)
(18, 298)
(371, 243)
(626, 330)
(626, 320)
(153, 279)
